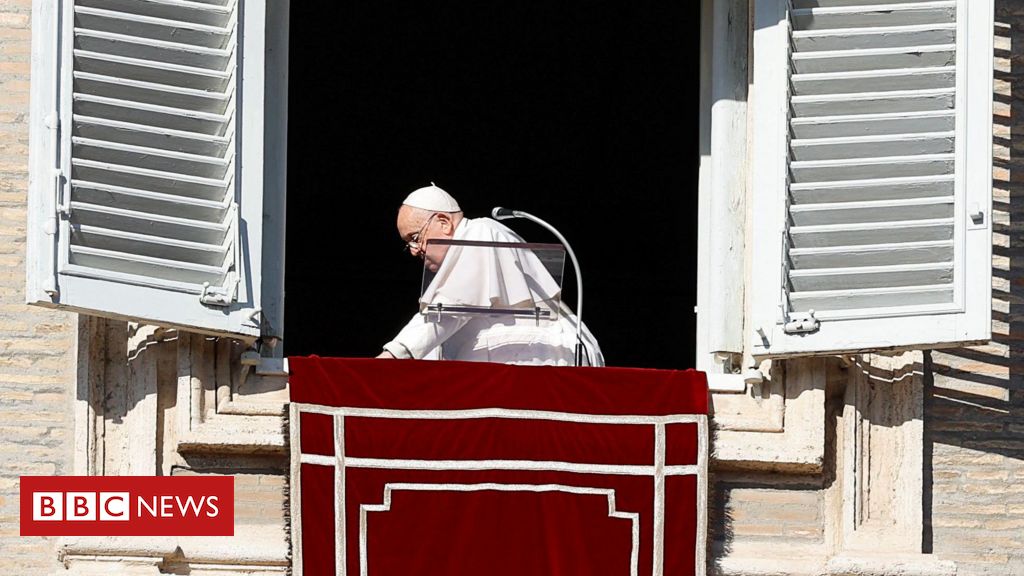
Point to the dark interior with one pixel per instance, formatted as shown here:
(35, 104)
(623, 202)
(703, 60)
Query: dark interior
(584, 114)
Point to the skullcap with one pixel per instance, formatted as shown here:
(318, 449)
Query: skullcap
(433, 199)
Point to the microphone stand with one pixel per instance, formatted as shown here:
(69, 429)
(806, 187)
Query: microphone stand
(500, 213)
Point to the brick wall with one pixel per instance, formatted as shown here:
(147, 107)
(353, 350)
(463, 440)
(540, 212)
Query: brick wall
(974, 426)
(36, 375)
(259, 495)
(765, 508)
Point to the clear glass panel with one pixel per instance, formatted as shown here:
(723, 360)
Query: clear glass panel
(467, 277)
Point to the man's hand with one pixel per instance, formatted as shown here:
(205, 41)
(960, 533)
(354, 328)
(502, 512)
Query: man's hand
(386, 354)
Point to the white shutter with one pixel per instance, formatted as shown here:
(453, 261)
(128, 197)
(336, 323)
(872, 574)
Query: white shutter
(872, 174)
(147, 195)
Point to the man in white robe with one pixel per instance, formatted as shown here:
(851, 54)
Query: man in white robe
(481, 277)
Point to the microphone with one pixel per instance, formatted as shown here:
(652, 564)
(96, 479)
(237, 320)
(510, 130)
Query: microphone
(499, 213)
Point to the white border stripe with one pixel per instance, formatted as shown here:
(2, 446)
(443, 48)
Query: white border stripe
(499, 413)
(340, 544)
(633, 517)
(528, 465)
(295, 502)
(702, 497)
(658, 566)
(319, 460)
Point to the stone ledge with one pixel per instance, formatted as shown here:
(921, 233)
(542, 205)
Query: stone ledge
(813, 563)
(231, 442)
(253, 549)
(890, 565)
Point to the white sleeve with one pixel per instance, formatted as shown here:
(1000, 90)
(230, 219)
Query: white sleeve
(420, 336)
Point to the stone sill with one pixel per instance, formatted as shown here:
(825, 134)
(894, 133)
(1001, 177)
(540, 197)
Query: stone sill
(803, 563)
(250, 546)
(231, 443)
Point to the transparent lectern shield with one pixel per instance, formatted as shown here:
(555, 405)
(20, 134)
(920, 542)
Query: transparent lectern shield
(477, 278)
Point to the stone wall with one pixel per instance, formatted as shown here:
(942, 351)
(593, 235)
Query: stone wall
(974, 424)
(37, 373)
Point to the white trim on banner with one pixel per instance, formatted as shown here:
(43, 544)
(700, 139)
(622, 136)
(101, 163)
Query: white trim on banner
(658, 471)
(633, 517)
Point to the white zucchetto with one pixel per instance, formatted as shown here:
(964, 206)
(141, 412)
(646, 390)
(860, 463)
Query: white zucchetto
(433, 199)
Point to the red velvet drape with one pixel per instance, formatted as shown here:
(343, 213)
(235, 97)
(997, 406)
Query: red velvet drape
(546, 494)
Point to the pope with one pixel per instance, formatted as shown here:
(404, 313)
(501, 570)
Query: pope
(481, 278)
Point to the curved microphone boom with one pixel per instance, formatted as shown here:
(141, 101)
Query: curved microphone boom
(499, 213)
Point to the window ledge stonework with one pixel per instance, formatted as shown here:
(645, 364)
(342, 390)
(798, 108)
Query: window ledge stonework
(265, 552)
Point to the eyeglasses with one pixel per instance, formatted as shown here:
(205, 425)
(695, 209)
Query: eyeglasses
(414, 240)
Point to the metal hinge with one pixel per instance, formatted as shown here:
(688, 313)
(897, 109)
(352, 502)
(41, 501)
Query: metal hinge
(220, 295)
(52, 123)
(215, 295)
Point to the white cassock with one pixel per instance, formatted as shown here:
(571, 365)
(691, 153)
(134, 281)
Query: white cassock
(493, 278)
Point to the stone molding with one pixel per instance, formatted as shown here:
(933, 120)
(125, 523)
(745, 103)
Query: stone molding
(779, 424)
(252, 550)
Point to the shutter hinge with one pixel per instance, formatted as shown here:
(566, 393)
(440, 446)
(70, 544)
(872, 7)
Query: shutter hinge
(801, 323)
(61, 208)
(215, 295)
(221, 295)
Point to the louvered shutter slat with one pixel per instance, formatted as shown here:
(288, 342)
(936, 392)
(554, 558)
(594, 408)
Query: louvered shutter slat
(151, 158)
(859, 147)
(888, 37)
(823, 61)
(872, 124)
(156, 94)
(151, 180)
(146, 202)
(898, 79)
(156, 116)
(871, 233)
(211, 233)
(156, 247)
(155, 28)
(876, 211)
(152, 136)
(824, 171)
(872, 190)
(804, 4)
(209, 14)
(866, 299)
(151, 71)
(872, 255)
(98, 42)
(868, 14)
(872, 276)
(152, 268)
(873, 102)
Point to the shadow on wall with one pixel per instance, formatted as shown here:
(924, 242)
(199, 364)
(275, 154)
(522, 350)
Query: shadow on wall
(976, 394)
(974, 423)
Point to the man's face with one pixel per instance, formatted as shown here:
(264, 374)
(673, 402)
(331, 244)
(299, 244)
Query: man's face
(416, 227)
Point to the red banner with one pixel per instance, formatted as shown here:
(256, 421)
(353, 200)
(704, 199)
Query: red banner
(408, 467)
(127, 506)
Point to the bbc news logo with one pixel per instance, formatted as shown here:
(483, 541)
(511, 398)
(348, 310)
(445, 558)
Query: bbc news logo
(127, 506)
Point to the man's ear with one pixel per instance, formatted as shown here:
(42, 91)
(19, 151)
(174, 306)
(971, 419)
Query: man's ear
(447, 225)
